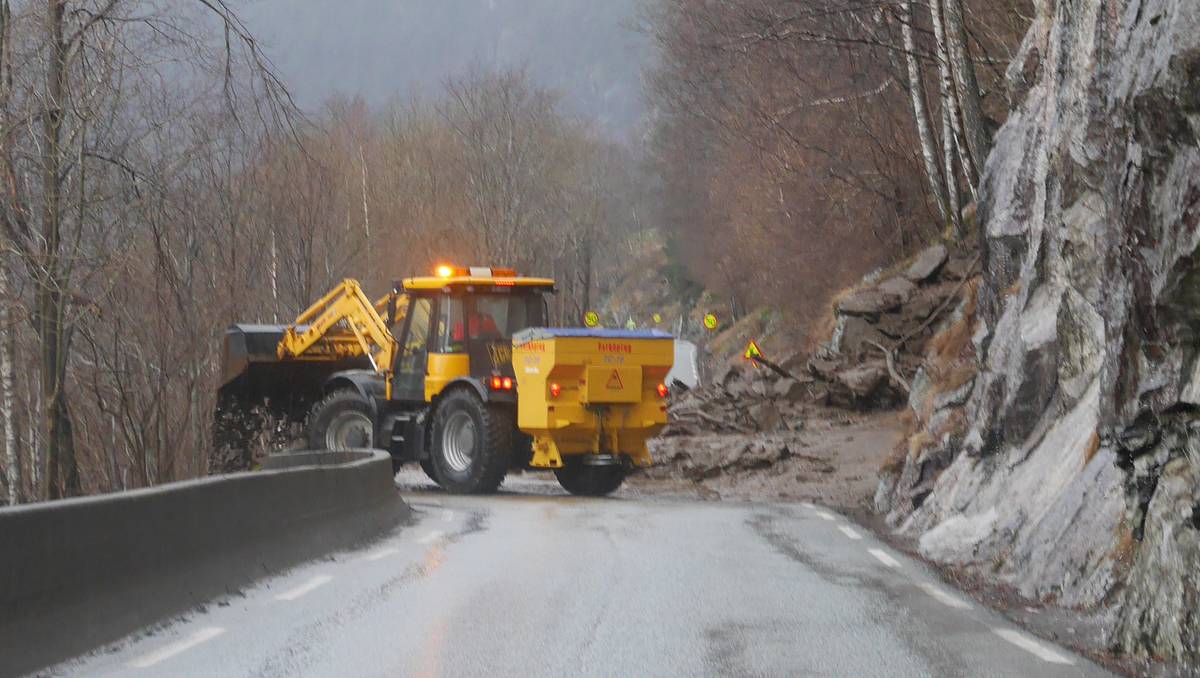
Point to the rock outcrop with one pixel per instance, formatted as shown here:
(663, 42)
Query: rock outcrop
(889, 317)
(1075, 475)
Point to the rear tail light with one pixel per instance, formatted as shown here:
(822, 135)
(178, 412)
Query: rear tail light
(499, 383)
(555, 390)
(663, 390)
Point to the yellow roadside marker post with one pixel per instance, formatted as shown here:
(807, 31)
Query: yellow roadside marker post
(755, 355)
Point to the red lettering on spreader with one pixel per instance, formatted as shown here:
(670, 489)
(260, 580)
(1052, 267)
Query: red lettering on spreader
(614, 347)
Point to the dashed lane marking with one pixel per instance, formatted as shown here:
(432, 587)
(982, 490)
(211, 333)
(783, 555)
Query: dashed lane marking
(447, 516)
(381, 554)
(884, 558)
(824, 515)
(943, 597)
(849, 532)
(166, 652)
(1033, 647)
(431, 537)
(305, 588)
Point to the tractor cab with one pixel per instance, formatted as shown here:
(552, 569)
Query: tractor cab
(457, 327)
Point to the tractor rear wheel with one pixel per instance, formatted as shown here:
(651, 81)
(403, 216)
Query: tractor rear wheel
(472, 443)
(341, 420)
(427, 467)
(590, 481)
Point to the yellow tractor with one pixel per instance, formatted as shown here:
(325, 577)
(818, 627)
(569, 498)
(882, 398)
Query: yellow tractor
(427, 373)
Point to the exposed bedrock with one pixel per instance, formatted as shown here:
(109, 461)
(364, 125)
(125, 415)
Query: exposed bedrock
(1076, 475)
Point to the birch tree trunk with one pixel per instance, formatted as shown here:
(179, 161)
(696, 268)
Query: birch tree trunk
(12, 460)
(966, 87)
(916, 87)
(362, 158)
(949, 94)
(951, 130)
(949, 144)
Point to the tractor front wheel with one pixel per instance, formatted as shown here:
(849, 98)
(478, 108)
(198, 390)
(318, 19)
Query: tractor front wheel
(342, 420)
(472, 443)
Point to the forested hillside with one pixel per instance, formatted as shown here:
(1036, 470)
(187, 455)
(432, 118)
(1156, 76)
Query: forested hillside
(801, 145)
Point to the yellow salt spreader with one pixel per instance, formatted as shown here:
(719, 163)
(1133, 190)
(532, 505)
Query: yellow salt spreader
(591, 398)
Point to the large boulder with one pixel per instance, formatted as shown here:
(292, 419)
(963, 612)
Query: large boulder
(790, 389)
(926, 263)
(897, 287)
(824, 369)
(870, 301)
(854, 336)
(766, 417)
(863, 380)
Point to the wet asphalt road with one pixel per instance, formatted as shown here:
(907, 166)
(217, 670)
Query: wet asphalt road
(531, 583)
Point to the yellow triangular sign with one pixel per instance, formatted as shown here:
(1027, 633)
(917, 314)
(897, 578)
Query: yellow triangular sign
(752, 351)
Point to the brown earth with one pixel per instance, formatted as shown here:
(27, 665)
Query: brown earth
(830, 457)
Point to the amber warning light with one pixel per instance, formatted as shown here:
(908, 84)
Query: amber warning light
(502, 383)
(448, 271)
(555, 389)
(663, 390)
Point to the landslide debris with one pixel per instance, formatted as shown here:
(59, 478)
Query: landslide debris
(749, 417)
(876, 347)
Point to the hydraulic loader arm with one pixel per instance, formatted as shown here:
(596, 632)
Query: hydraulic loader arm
(342, 324)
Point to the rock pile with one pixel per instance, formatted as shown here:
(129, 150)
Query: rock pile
(741, 399)
(880, 332)
(882, 327)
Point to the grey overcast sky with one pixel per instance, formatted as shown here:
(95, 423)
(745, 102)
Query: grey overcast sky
(384, 48)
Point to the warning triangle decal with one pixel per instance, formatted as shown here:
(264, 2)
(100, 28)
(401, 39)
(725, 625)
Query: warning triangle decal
(614, 382)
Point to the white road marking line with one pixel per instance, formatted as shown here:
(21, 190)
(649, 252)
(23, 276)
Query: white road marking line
(849, 532)
(305, 588)
(431, 537)
(884, 558)
(943, 597)
(824, 515)
(381, 554)
(807, 505)
(1033, 647)
(166, 652)
(447, 516)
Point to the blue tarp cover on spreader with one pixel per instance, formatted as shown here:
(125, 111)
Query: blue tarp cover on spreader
(540, 333)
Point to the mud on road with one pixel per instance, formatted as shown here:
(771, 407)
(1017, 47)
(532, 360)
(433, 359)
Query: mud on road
(831, 457)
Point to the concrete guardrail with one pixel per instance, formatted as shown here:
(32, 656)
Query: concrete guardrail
(79, 573)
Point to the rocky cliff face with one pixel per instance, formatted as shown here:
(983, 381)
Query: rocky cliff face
(1077, 474)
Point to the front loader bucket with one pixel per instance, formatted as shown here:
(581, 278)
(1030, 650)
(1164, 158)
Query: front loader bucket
(260, 394)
